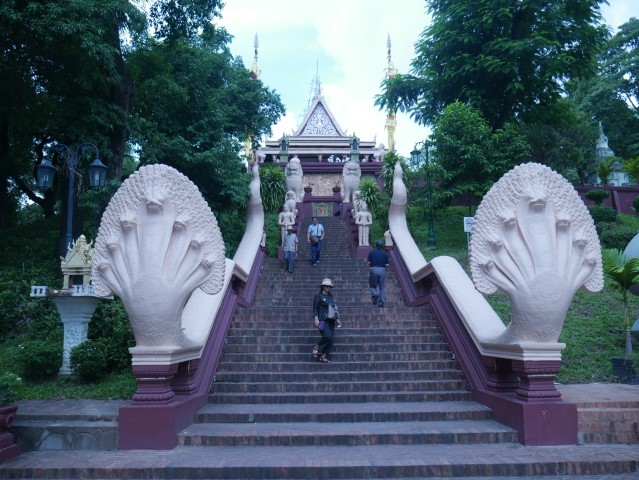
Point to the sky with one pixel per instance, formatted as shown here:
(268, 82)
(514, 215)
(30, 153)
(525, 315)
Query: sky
(344, 41)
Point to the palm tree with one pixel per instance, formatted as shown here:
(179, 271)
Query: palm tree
(624, 272)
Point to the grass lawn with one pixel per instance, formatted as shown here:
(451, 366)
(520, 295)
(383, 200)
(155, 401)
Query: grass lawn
(593, 329)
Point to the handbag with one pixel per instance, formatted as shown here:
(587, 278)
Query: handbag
(332, 312)
(314, 240)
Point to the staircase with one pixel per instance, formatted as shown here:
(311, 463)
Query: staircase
(392, 404)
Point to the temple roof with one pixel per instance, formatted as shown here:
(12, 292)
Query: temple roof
(320, 138)
(319, 121)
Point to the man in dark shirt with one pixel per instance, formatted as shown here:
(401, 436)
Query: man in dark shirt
(378, 261)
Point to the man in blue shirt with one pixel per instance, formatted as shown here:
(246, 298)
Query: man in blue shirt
(315, 235)
(378, 261)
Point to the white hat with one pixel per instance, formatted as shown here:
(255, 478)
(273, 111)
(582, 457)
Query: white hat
(289, 227)
(326, 283)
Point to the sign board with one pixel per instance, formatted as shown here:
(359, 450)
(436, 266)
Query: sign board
(468, 224)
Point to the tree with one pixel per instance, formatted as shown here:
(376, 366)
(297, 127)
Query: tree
(193, 104)
(563, 138)
(622, 62)
(599, 100)
(56, 88)
(624, 272)
(470, 154)
(504, 58)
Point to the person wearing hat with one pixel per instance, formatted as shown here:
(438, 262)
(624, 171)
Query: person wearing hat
(378, 261)
(324, 308)
(290, 248)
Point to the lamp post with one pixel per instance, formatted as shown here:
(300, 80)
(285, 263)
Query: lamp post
(45, 173)
(417, 156)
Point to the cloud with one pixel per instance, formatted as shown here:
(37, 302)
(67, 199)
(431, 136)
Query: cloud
(346, 41)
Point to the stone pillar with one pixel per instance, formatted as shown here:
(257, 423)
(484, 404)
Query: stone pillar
(75, 313)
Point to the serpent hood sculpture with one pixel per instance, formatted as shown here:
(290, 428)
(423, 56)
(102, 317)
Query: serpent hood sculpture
(534, 239)
(158, 242)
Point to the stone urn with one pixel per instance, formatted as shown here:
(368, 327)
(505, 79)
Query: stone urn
(336, 190)
(308, 190)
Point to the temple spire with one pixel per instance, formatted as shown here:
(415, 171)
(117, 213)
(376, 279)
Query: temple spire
(391, 119)
(255, 69)
(255, 75)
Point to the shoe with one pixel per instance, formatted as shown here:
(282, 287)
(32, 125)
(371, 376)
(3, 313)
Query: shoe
(380, 304)
(323, 360)
(315, 353)
(375, 298)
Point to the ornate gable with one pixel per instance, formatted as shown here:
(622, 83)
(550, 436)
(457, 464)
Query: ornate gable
(319, 121)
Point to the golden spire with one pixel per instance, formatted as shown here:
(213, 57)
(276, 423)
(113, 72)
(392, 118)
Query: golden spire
(391, 119)
(255, 70)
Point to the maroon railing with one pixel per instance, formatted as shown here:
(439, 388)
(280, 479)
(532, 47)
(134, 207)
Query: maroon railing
(521, 394)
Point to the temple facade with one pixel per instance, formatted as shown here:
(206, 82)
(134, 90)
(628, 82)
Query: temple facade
(322, 148)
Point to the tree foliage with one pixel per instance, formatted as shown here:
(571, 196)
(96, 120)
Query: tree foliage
(505, 58)
(471, 155)
(163, 83)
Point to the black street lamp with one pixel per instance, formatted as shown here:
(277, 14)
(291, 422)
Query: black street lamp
(417, 156)
(45, 172)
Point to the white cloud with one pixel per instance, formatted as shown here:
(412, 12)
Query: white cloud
(347, 40)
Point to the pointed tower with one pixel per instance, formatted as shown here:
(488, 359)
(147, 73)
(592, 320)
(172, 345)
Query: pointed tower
(391, 118)
(255, 74)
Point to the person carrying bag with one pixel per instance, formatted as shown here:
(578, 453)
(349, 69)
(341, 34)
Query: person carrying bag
(326, 318)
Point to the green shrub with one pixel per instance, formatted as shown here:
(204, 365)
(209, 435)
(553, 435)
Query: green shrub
(635, 205)
(603, 226)
(39, 360)
(597, 195)
(110, 326)
(89, 361)
(601, 214)
(7, 393)
(272, 187)
(617, 236)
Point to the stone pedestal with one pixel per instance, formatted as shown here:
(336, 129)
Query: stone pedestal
(75, 313)
(8, 447)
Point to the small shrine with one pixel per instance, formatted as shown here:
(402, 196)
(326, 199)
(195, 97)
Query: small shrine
(75, 301)
(76, 266)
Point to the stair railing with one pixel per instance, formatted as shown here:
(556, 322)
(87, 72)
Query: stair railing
(515, 380)
(174, 380)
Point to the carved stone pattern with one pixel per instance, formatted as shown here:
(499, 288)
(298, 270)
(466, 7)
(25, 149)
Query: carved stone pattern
(319, 123)
(535, 181)
(75, 332)
(161, 181)
(323, 184)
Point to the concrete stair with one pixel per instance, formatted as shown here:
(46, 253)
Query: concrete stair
(392, 404)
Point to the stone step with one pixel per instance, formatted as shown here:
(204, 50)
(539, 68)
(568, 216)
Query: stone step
(250, 366)
(334, 462)
(345, 376)
(257, 330)
(290, 347)
(352, 337)
(358, 325)
(336, 357)
(344, 412)
(609, 425)
(339, 397)
(338, 433)
(338, 387)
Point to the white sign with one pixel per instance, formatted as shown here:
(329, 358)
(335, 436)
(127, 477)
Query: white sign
(468, 224)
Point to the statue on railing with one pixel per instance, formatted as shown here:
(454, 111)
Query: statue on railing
(290, 201)
(352, 174)
(294, 175)
(363, 219)
(158, 241)
(534, 239)
(286, 218)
